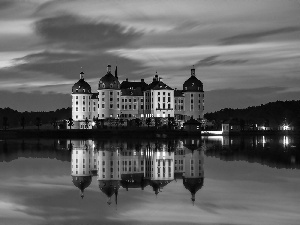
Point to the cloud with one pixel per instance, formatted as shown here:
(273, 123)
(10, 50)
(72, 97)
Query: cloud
(212, 61)
(5, 4)
(78, 33)
(255, 37)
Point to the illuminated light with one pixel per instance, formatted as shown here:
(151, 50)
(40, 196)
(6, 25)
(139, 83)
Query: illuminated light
(285, 141)
(263, 127)
(285, 127)
(217, 132)
(93, 123)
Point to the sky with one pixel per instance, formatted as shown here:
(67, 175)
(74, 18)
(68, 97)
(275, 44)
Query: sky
(245, 52)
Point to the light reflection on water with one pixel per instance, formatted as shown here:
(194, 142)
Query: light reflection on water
(145, 180)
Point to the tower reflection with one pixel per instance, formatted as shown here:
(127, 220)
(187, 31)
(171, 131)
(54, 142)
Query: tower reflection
(130, 165)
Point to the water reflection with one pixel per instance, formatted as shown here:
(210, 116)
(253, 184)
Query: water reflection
(273, 151)
(128, 165)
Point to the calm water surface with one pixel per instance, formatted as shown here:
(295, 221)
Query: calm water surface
(208, 180)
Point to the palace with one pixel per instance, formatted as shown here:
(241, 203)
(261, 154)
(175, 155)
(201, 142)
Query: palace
(131, 99)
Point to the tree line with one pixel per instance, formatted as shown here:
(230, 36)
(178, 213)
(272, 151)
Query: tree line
(14, 119)
(271, 114)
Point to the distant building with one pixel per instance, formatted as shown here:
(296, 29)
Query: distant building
(192, 125)
(230, 126)
(131, 100)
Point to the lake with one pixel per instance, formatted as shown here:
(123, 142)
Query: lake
(205, 180)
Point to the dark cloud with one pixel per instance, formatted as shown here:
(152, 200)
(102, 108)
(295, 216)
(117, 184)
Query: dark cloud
(68, 65)
(78, 33)
(4, 4)
(254, 37)
(212, 61)
(243, 98)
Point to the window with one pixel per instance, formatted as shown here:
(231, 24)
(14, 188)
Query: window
(129, 106)
(102, 115)
(130, 100)
(134, 107)
(83, 97)
(111, 106)
(134, 100)
(164, 99)
(111, 93)
(76, 102)
(122, 100)
(76, 97)
(158, 93)
(83, 109)
(103, 93)
(76, 108)
(169, 94)
(103, 99)
(103, 106)
(158, 99)
(111, 99)
(83, 102)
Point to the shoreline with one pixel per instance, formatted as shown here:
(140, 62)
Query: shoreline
(125, 132)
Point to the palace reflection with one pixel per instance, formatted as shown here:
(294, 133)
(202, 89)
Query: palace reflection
(137, 165)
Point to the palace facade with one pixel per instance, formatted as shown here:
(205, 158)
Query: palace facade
(131, 99)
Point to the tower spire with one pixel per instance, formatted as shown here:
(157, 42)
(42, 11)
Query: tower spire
(108, 68)
(193, 71)
(81, 75)
(116, 72)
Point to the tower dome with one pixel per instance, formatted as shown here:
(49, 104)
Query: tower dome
(193, 185)
(193, 84)
(109, 188)
(157, 185)
(81, 86)
(82, 182)
(109, 81)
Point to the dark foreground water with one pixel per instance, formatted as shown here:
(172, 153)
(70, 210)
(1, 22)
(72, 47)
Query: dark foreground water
(208, 180)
